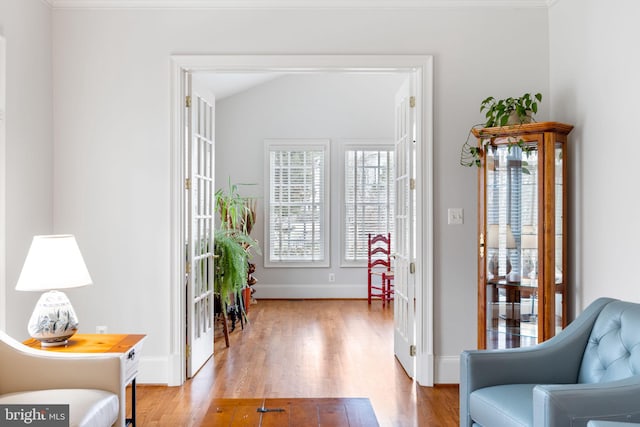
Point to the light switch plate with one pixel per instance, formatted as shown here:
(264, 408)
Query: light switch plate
(455, 216)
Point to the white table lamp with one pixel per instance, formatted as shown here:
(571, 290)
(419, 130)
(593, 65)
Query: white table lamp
(53, 263)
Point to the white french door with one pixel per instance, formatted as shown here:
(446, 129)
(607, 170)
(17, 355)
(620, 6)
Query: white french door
(404, 303)
(200, 206)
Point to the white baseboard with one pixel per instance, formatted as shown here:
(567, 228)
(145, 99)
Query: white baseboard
(330, 291)
(153, 370)
(447, 370)
(176, 370)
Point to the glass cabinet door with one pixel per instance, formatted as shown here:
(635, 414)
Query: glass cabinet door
(511, 245)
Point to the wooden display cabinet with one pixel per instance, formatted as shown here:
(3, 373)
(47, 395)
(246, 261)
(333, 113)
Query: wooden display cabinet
(522, 234)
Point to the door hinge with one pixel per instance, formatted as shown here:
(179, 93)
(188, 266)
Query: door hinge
(187, 101)
(187, 184)
(188, 268)
(412, 350)
(412, 268)
(412, 184)
(412, 101)
(188, 351)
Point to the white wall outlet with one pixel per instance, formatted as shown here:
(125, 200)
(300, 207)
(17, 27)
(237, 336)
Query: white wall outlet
(455, 216)
(101, 329)
(332, 277)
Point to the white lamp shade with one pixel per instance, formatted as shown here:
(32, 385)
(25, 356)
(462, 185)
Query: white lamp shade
(529, 241)
(53, 262)
(493, 236)
(529, 237)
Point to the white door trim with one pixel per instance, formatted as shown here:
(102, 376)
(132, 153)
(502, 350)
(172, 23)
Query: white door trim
(421, 64)
(3, 187)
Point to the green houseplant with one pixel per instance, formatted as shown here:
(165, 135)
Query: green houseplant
(500, 112)
(232, 244)
(236, 212)
(231, 264)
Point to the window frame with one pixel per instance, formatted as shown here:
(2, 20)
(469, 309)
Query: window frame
(306, 144)
(360, 144)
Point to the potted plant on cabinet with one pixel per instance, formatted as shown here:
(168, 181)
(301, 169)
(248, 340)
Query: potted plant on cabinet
(500, 112)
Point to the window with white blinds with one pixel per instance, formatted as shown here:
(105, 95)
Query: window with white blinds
(369, 198)
(297, 227)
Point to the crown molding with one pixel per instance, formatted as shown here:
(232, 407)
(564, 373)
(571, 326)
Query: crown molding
(292, 4)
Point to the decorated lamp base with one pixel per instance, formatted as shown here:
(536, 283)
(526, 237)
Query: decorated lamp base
(53, 320)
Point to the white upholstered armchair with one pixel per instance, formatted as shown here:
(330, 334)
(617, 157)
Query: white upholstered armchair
(92, 384)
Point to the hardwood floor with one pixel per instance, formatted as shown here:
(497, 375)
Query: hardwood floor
(291, 412)
(305, 349)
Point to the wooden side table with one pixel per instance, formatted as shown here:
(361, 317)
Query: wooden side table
(127, 345)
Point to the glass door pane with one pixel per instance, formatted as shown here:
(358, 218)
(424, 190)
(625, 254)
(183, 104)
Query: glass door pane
(559, 232)
(512, 242)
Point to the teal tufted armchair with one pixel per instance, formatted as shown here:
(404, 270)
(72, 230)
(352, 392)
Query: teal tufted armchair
(589, 371)
(611, 424)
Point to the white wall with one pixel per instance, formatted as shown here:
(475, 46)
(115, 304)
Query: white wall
(27, 161)
(595, 83)
(111, 79)
(335, 106)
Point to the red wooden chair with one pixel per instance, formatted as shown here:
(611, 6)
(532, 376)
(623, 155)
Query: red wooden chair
(379, 271)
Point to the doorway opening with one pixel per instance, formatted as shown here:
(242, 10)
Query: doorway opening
(421, 68)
